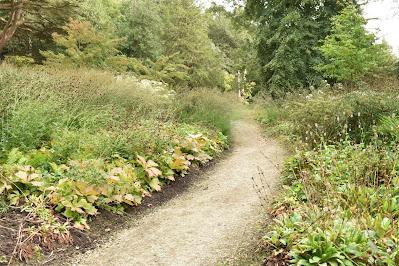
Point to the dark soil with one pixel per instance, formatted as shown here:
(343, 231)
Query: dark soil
(9, 227)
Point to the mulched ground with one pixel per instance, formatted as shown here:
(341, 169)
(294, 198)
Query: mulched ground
(103, 226)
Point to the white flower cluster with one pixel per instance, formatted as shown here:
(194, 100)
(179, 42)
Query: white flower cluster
(152, 86)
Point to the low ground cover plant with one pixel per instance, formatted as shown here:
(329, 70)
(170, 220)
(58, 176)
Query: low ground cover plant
(339, 204)
(76, 142)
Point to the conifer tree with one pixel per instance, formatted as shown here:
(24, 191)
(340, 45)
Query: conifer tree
(289, 36)
(186, 39)
(33, 19)
(350, 51)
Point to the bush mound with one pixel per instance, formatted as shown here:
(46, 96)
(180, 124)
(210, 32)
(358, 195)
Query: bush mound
(340, 202)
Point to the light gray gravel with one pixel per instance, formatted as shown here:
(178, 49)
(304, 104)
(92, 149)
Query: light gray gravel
(206, 223)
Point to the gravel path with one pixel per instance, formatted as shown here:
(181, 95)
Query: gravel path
(206, 223)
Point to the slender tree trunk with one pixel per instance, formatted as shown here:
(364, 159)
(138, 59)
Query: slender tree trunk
(14, 21)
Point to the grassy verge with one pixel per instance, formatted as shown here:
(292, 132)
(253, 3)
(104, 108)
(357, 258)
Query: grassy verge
(78, 141)
(340, 204)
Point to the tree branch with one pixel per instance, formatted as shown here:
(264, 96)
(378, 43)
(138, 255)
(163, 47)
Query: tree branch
(15, 20)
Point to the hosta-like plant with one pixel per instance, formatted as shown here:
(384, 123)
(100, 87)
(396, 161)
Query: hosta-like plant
(79, 188)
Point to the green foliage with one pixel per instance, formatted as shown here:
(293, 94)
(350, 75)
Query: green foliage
(143, 28)
(170, 41)
(350, 156)
(204, 107)
(388, 127)
(288, 39)
(166, 70)
(19, 60)
(396, 69)
(102, 14)
(41, 18)
(29, 125)
(351, 52)
(187, 38)
(69, 147)
(328, 117)
(83, 46)
(79, 187)
(83, 114)
(235, 39)
(358, 207)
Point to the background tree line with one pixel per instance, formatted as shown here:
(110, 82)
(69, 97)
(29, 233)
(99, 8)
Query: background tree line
(301, 44)
(281, 46)
(172, 41)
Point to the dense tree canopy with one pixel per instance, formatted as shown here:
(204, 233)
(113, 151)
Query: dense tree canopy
(279, 44)
(102, 14)
(351, 52)
(28, 24)
(174, 41)
(289, 36)
(83, 46)
(142, 26)
(187, 40)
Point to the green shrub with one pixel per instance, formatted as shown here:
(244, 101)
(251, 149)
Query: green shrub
(19, 61)
(388, 127)
(207, 107)
(350, 52)
(340, 205)
(29, 125)
(355, 219)
(88, 114)
(329, 118)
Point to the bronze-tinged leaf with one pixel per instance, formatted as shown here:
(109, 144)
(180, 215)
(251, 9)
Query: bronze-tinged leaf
(153, 172)
(132, 199)
(91, 198)
(85, 189)
(105, 190)
(22, 175)
(146, 194)
(155, 184)
(118, 198)
(81, 226)
(171, 178)
(141, 161)
(113, 179)
(151, 163)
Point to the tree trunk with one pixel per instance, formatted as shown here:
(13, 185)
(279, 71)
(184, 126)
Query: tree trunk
(14, 21)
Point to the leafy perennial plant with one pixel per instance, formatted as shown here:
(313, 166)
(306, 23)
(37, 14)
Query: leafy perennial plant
(79, 188)
(340, 202)
(73, 143)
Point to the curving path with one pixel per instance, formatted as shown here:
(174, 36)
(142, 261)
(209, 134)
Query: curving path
(206, 223)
